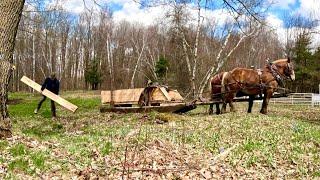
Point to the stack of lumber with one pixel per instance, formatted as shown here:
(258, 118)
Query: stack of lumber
(127, 100)
(131, 96)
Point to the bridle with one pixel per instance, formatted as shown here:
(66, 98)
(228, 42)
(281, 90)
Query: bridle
(279, 77)
(288, 70)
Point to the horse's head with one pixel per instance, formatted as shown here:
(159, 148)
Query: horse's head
(285, 68)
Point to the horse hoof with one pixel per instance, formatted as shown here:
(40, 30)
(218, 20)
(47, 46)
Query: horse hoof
(263, 112)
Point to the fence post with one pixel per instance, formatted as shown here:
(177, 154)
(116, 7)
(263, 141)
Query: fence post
(312, 100)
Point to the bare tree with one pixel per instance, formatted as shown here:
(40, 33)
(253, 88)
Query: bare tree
(190, 51)
(243, 25)
(220, 60)
(138, 62)
(194, 46)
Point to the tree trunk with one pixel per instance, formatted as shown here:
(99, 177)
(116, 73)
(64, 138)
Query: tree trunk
(33, 56)
(221, 60)
(137, 64)
(10, 13)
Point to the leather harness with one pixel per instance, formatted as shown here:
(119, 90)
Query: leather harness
(275, 73)
(276, 77)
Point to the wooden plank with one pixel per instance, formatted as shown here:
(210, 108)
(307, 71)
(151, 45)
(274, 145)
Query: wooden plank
(165, 93)
(124, 96)
(131, 96)
(175, 95)
(239, 99)
(66, 104)
(158, 96)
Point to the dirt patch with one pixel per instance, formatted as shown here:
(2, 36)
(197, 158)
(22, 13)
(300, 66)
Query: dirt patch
(15, 101)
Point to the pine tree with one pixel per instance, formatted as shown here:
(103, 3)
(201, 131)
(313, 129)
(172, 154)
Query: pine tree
(93, 74)
(302, 49)
(161, 68)
(306, 65)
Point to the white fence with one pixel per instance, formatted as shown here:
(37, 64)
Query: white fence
(315, 99)
(298, 99)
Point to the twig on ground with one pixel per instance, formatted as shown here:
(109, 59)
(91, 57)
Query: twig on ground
(125, 162)
(223, 155)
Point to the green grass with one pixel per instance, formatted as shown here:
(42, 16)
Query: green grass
(106, 148)
(3, 145)
(19, 164)
(18, 150)
(283, 144)
(38, 159)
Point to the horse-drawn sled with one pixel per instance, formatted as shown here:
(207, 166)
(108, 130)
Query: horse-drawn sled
(248, 84)
(152, 98)
(160, 100)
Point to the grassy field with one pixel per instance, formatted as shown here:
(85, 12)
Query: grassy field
(283, 144)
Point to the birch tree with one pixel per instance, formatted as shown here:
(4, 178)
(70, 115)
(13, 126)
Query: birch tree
(140, 53)
(190, 51)
(242, 13)
(220, 60)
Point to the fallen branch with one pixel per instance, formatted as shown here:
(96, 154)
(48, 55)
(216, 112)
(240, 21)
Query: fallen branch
(223, 155)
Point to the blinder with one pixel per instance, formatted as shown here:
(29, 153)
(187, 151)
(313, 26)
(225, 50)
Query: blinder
(288, 70)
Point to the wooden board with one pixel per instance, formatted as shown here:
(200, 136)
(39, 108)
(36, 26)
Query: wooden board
(165, 93)
(238, 99)
(123, 96)
(158, 95)
(131, 96)
(66, 104)
(175, 96)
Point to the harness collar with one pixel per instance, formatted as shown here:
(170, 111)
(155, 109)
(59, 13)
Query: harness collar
(275, 73)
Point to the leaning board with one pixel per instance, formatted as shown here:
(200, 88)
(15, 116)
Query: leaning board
(66, 104)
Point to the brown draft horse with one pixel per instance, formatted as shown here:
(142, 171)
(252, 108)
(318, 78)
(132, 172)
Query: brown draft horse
(216, 95)
(215, 84)
(254, 82)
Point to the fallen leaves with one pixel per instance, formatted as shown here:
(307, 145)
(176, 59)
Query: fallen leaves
(166, 146)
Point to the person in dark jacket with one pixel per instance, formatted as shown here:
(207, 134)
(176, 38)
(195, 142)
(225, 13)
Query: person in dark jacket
(52, 84)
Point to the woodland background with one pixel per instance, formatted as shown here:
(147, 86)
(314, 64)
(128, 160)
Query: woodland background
(90, 50)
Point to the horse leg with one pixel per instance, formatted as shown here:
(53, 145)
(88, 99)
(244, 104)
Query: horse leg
(224, 104)
(265, 102)
(218, 108)
(232, 108)
(251, 98)
(224, 107)
(211, 108)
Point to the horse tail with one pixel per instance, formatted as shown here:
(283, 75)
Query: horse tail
(223, 82)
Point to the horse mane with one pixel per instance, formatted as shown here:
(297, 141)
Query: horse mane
(279, 60)
(275, 62)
